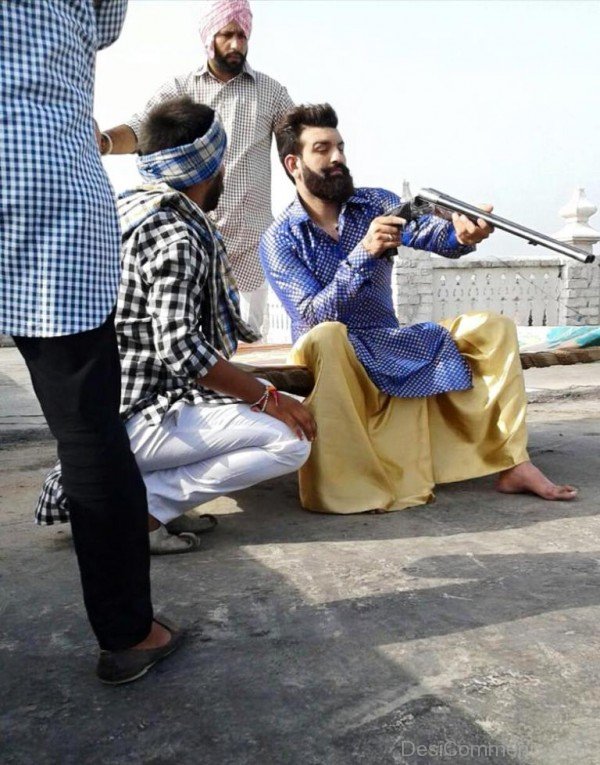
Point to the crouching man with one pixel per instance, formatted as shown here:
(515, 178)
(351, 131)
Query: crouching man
(199, 427)
(399, 409)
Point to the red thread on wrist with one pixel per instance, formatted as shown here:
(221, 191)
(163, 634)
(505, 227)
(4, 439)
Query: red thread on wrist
(263, 401)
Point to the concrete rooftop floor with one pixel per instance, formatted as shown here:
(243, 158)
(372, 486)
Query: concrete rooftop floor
(464, 631)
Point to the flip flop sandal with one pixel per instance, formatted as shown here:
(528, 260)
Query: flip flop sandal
(192, 524)
(163, 543)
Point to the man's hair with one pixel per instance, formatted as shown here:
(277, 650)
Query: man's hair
(289, 128)
(175, 122)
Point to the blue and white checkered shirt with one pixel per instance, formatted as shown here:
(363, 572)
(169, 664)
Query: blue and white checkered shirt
(320, 279)
(59, 232)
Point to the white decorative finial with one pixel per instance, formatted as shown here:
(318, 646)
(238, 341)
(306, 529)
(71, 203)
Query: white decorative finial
(577, 230)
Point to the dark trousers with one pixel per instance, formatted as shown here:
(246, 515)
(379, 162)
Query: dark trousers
(77, 379)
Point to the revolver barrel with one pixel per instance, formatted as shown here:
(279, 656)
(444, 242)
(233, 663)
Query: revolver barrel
(438, 200)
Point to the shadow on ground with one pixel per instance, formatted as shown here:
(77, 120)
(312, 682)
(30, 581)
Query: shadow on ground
(325, 639)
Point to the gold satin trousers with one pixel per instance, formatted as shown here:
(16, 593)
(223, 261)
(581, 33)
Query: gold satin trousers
(375, 451)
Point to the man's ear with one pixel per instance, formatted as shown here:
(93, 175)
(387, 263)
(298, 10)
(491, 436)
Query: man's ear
(290, 163)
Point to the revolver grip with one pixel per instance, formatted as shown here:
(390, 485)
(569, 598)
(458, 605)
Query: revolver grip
(405, 211)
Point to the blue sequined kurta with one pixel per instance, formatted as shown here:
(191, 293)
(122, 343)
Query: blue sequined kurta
(318, 279)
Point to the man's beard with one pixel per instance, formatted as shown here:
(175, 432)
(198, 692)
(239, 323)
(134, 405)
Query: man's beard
(232, 66)
(213, 194)
(331, 188)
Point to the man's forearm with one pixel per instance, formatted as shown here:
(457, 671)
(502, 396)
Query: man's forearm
(122, 138)
(226, 378)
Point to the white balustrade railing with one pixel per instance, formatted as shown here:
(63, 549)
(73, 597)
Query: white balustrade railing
(527, 291)
(278, 322)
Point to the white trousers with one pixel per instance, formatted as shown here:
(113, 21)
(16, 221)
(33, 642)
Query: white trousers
(253, 308)
(200, 452)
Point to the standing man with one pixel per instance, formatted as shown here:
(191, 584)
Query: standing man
(250, 104)
(59, 267)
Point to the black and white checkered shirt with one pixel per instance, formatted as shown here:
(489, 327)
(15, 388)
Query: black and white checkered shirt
(178, 306)
(249, 106)
(177, 310)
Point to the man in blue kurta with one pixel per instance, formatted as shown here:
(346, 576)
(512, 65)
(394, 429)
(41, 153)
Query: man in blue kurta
(399, 408)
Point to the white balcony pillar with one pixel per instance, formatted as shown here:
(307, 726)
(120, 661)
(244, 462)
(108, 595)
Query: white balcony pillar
(580, 294)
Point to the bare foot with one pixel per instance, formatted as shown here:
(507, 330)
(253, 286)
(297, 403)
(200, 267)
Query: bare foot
(157, 638)
(527, 479)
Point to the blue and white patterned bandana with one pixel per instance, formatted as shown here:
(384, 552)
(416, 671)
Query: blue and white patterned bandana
(184, 166)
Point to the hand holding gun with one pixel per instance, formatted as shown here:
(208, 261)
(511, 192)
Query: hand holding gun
(383, 234)
(432, 202)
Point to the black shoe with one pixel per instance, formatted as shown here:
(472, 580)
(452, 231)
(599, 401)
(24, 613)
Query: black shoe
(117, 667)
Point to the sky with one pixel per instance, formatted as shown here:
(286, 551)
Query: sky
(486, 100)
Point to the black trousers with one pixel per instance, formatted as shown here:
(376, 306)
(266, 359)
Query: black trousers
(77, 379)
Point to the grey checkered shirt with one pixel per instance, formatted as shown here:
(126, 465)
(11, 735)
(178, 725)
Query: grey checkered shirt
(249, 106)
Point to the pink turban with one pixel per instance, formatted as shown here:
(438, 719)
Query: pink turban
(218, 14)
